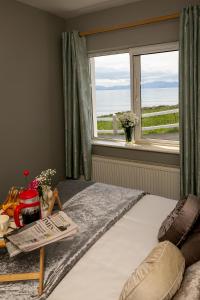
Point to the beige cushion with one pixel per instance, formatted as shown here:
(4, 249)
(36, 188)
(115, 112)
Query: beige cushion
(158, 277)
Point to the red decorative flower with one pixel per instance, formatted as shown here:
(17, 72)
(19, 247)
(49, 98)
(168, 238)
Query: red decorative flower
(26, 173)
(33, 185)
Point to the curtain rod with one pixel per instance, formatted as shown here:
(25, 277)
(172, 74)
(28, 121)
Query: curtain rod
(131, 25)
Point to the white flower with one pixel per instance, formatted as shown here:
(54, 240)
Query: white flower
(45, 177)
(128, 119)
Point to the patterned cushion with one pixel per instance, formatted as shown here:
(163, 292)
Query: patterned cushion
(190, 286)
(191, 247)
(179, 223)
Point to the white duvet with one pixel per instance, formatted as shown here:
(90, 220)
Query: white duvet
(103, 270)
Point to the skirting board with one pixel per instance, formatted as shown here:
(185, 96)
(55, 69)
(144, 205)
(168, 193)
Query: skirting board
(155, 179)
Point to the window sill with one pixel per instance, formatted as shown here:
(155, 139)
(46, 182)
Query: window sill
(145, 147)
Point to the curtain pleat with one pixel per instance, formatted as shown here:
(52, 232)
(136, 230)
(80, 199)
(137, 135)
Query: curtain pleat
(77, 106)
(189, 96)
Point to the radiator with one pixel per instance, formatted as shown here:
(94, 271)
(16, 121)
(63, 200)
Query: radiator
(158, 180)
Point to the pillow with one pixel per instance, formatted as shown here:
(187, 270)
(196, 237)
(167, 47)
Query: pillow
(191, 247)
(167, 223)
(178, 224)
(158, 277)
(189, 289)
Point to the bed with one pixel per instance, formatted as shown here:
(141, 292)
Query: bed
(102, 271)
(117, 229)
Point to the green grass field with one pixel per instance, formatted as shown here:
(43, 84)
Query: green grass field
(149, 121)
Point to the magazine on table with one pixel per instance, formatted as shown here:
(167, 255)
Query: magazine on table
(40, 233)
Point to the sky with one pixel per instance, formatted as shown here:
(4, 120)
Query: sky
(113, 70)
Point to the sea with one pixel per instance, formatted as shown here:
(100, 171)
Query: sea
(113, 101)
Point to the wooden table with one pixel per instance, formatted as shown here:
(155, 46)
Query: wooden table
(34, 275)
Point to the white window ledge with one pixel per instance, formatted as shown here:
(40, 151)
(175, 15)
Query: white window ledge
(136, 146)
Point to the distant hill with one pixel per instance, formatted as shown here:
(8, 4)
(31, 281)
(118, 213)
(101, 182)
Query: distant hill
(160, 84)
(149, 85)
(108, 88)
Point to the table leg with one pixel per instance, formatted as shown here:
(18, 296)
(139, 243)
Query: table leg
(41, 276)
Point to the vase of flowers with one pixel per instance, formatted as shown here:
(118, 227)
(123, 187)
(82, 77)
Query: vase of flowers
(43, 184)
(128, 121)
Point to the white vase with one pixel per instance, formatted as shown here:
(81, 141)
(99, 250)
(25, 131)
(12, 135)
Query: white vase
(45, 200)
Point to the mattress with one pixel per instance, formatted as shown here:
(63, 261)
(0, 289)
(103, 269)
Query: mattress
(103, 270)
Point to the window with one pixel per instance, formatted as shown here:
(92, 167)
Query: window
(111, 93)
(144, 80)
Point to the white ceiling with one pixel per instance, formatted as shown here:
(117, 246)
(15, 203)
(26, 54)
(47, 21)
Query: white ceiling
(72, 8)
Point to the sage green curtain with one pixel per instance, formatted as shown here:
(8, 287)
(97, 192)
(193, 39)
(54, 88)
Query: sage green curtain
(190, 100)
(77, 106)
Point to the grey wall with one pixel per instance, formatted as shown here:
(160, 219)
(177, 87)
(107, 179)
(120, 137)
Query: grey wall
(31, 105)
(168, 159)
(145, 35)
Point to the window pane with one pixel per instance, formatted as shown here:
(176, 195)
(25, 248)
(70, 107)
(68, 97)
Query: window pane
(112, 89)
(159, 96)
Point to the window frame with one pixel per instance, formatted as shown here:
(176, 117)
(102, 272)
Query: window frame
(135, 90)
(91, 56)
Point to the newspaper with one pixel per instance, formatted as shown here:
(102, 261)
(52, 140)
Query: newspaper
(41, 233)
(12, 249)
